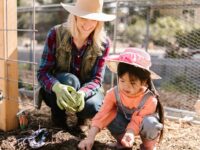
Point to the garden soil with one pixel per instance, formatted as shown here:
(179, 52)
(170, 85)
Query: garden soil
(178, 135)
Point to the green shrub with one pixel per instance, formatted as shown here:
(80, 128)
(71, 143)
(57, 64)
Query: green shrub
(135, 33)
(164, 30)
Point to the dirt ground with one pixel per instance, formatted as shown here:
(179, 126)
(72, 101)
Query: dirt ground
(177, 136)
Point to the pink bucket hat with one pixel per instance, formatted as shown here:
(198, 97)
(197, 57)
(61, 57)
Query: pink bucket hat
(133, 56)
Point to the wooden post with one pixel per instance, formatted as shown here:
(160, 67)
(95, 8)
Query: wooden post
(8, 69)
(197, 107)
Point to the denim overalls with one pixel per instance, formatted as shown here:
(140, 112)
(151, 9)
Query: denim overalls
(150, 127)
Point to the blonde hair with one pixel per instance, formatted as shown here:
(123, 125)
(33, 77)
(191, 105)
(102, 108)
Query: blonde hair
(99, 34)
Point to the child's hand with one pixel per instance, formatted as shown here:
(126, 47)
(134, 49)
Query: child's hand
(89, 141)
(128, 139)
(86, 144)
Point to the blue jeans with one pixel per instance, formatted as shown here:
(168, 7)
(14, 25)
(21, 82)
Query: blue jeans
(92, 104)
(149, 129)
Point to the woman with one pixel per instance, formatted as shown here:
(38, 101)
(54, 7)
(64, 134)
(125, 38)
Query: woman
(73, 62)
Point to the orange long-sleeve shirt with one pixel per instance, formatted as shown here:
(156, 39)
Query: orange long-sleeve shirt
(108, 110)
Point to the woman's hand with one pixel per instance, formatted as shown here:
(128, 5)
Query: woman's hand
(128, 138)
(64, 97)
(86, 144)
(81, 100)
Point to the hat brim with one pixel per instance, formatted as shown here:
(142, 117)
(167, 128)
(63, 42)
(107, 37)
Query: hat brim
(112, 65)
(88, 15)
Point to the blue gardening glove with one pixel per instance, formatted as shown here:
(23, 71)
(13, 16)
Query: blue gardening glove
(64, 97)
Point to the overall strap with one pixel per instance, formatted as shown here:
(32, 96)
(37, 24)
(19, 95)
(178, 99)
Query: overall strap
(147, 94)
(119, 103)
(126, 110)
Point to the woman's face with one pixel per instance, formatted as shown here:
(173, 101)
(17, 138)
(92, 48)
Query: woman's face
(86, 26)
(130, 87)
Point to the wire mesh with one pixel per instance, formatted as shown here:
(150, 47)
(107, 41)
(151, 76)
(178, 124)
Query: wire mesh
(168, 30)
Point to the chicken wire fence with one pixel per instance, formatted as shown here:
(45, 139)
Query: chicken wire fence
(168, 30)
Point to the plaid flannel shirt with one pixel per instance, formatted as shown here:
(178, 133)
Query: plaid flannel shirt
(48, 61)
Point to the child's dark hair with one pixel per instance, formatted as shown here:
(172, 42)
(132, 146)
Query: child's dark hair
(143, 75)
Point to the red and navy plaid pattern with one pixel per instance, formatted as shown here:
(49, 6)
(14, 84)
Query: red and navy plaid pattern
(48, 61)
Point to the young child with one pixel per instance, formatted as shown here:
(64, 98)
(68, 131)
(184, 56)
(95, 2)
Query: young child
(132, 107)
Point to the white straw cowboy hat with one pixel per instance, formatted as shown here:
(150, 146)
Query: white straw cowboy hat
(133, 56)
(89, 9)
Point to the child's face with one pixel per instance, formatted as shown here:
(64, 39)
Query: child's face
(130, 87)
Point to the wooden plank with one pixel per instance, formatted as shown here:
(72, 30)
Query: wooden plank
(8, 70)
(183, 115)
